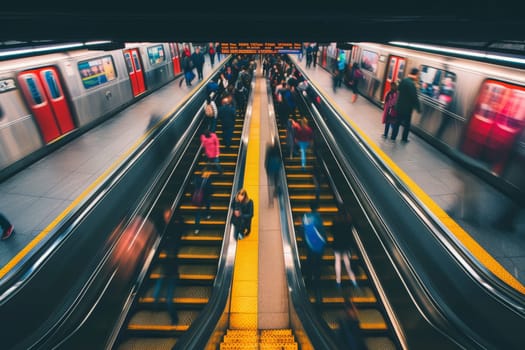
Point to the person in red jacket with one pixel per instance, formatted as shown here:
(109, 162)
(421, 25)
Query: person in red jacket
(304, 137)
(210, 143)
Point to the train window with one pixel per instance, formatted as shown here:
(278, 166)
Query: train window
(156, 54)
(369, 61)
(136, 61)
(400, 70)
(501, 100)
(97, 71)
(52, 84)
(129, 65)
(438, 84)
(33, 89)
(391, 67)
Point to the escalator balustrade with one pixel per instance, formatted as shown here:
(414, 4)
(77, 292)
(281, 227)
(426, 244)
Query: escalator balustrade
(301, 190)
(185, 265)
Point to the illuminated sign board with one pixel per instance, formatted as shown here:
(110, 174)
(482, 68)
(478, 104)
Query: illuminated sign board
(260, 48)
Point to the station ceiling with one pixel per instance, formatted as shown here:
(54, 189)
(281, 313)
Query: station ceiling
(463, 22)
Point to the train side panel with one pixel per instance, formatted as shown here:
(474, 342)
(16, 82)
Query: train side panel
(94, 96)
(158, 68)
(95, 84)
(19, 135)
(450, 90)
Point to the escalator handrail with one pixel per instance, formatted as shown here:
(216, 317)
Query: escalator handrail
(320, 336)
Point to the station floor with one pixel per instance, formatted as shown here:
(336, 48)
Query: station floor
(36, 198)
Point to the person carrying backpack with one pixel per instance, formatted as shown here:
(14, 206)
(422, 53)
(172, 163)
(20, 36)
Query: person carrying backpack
(211, 112)
(355, 76)
(315, 238)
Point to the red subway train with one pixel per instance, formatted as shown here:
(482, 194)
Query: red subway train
(44, 99)
(471, 109)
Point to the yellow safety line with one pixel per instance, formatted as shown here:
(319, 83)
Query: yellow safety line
(243, 309)
(18, 257)
(481, 254)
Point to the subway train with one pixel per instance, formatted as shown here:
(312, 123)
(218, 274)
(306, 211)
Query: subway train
(473, 111)
(47, 99)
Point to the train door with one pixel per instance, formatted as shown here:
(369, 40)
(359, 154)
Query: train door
(395, 70)
(136, 75)
(43, 92)
(175, 58)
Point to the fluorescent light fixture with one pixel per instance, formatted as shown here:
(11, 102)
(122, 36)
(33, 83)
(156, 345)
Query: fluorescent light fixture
(469, 53)
(40, 49)
(91, 43)
(36, 50)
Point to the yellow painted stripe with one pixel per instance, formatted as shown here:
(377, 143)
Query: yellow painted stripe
(25, 251)
(243, 309)
(477, 251)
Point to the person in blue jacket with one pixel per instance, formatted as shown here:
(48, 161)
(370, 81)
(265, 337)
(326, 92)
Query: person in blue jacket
(315, 238)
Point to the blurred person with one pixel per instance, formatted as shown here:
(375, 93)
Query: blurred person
(169, 278)
(241, 93)
(227, 115)
(285, 102)
(389, 111)
(187, 68)
(211, 53)
(8, 229)
(342, 244)
(242, 214)
(349, 334)
(272, 165)
(304, 138)
(210, 144)
(315, 238)
(335, 79)
(309, 56)
(197, 59)
(201, 196)
(211, 112)
(218, 50)
(407, 101)
(356, 75)
(340, 67)
(315, 51)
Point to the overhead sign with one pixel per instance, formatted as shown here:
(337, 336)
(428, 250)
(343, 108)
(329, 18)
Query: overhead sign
(260, 48)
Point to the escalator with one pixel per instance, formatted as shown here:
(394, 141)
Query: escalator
(374, 324)
(186, 261)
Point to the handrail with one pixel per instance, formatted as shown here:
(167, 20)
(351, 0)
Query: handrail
(303, 316)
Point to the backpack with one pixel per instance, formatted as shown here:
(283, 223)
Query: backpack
(314, 238)
(208, 111)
